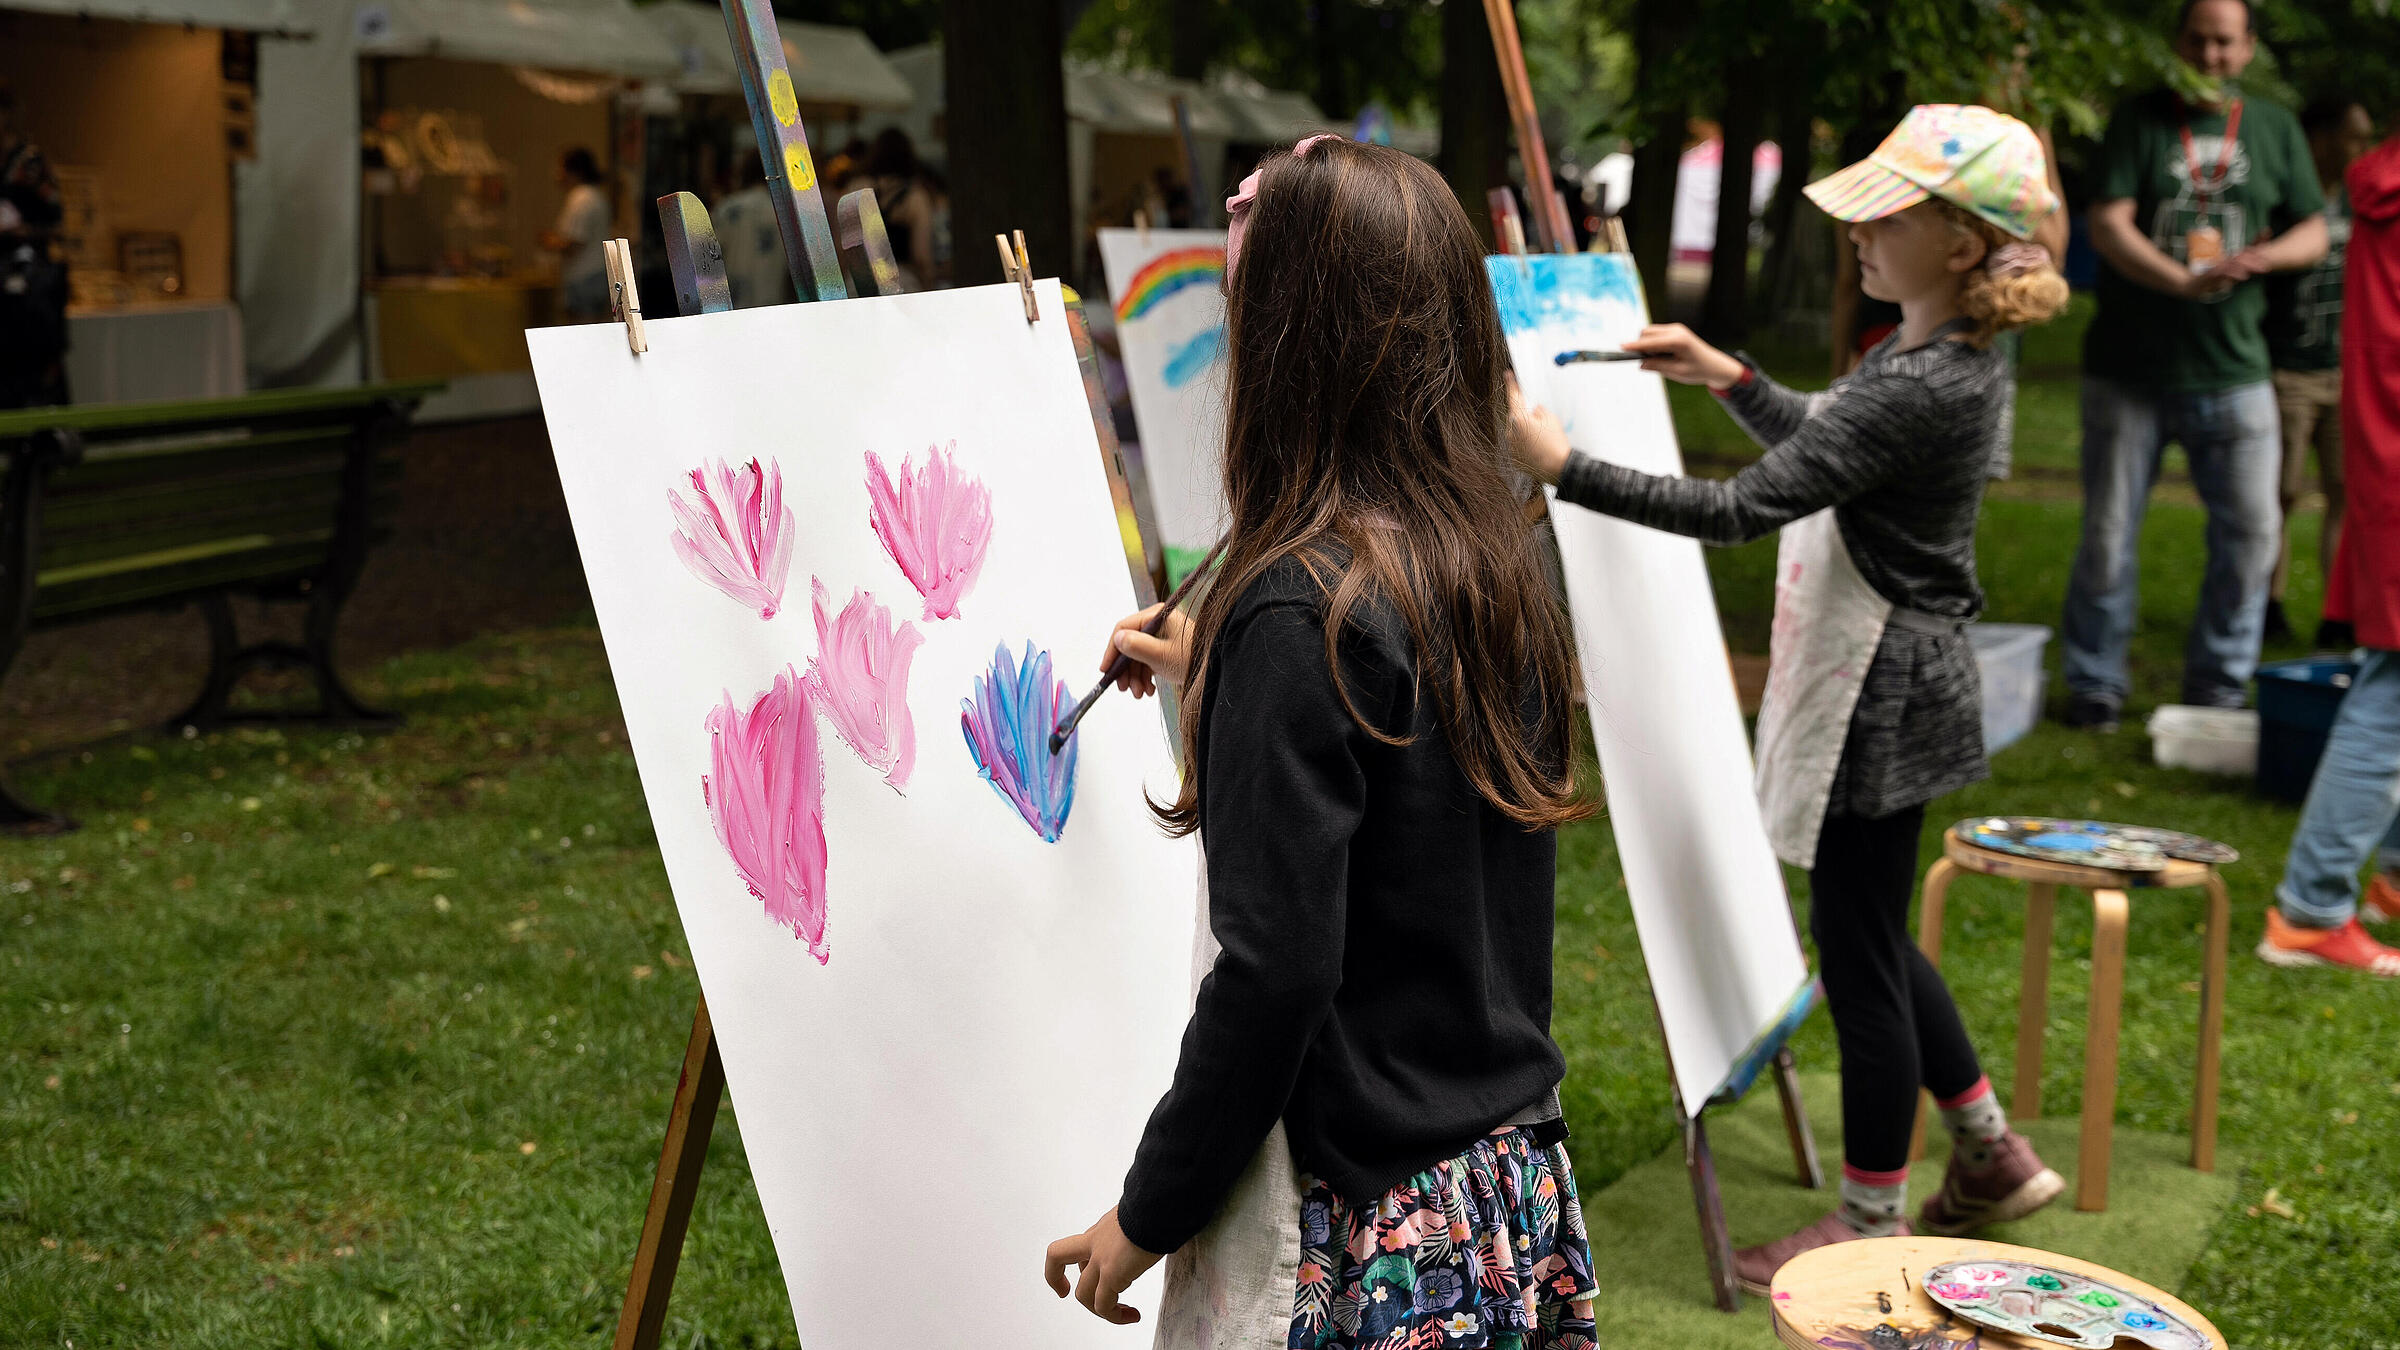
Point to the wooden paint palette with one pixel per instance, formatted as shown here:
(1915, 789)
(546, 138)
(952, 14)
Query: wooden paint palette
(1872, 1295)
(2059, 1306)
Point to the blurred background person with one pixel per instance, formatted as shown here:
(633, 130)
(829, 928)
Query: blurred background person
(2304, 340)
(33, 285)
(583, 220)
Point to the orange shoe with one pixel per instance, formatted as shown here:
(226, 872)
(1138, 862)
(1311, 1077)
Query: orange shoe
(2382, 902)
(2288, 944)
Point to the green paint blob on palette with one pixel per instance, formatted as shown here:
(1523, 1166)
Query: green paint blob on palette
(2059, 1306)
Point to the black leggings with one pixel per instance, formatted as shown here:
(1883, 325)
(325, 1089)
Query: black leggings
(1892, 1015)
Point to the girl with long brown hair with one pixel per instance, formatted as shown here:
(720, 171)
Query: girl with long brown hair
(1375, 703)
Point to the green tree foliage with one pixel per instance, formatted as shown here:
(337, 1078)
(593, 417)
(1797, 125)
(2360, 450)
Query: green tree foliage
(1342, 53)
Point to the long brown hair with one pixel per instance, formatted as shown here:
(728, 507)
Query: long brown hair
(1366, 436)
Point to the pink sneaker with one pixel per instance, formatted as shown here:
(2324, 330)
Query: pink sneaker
(2012, 1185)
(1755, 1267)
(2382, 902)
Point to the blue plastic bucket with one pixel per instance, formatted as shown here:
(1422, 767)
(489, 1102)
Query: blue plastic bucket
(2297, 702)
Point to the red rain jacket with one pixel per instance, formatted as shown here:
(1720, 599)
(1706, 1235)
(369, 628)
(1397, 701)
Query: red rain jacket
(2365, 586)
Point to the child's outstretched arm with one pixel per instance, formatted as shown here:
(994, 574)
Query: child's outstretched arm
(1283, 791)
(1839, 448)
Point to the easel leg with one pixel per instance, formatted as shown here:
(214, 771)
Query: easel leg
(1795, 1121)
(1715, 1237)
(689, 1123)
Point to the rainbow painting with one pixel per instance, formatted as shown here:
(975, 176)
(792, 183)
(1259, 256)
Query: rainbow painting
(1168, 273)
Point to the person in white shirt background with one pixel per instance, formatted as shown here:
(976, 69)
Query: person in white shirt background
(582, 224)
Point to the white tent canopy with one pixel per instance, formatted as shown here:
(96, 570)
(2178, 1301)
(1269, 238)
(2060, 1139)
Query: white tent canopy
(605, 37)
(828, 64)
(282, 17)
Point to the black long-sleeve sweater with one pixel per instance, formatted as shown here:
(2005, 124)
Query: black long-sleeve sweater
(1385, 980)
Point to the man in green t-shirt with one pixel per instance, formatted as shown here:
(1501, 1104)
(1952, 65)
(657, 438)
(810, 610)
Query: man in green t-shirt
(2196, 202)
(2304, 341)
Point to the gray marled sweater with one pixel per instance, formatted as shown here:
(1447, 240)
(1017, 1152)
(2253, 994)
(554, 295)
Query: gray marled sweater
(1899, 449)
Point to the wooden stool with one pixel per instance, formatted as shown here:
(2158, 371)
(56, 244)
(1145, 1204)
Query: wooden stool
(2109, 911)
(1870, 1294)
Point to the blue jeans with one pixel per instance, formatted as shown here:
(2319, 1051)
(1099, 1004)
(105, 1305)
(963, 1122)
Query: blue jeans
(2353, 802)
(2233, 441)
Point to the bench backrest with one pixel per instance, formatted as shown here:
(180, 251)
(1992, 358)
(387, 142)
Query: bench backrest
(135, 506)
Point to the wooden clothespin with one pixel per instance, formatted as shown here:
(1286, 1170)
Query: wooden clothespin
(624, 297)
(1017, 267)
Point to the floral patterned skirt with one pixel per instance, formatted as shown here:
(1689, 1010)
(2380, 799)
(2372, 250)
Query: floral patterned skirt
(1484, 1252)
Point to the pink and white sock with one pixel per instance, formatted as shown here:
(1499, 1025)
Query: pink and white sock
(1975, 1122)
(1872, 1201)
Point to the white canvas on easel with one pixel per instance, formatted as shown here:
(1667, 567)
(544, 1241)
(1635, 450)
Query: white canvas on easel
(948, 1061)
(1166, 289)
(1708, 899)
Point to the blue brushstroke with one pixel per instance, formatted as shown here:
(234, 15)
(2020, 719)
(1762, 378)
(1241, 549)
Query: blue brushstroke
(1569, 289)
(1008, 724)
(1194, 356)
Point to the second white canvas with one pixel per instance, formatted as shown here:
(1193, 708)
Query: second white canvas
(1708, 898)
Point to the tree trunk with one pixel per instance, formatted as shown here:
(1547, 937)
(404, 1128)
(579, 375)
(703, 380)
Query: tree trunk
(1660, 26)
(1725, 313)
(1795, 130)
(1191, 37)
(1474, 153)
(1007, 128)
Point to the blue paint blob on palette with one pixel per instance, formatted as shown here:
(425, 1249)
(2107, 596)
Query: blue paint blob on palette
(2047, 1304)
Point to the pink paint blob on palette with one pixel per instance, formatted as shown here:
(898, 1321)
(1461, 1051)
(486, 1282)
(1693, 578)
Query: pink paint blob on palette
(2043, 1303)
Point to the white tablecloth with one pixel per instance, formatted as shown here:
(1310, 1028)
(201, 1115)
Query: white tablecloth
(152, 351)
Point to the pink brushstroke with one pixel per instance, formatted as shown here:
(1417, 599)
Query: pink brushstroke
(735, 533)
(935, 522)
(860, 682)
(766, 792)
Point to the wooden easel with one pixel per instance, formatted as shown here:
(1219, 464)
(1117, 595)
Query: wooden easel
(1556, 234)
(818, 256)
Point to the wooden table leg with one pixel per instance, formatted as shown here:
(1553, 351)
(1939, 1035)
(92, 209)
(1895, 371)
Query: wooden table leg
(1930, 907)
(2212, 1026)
(2033, 999)
(2100, 1049)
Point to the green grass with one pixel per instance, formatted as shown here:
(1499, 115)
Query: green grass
(277, 1027)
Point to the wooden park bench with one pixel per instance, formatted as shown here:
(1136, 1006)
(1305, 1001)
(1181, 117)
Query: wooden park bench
(144, 506)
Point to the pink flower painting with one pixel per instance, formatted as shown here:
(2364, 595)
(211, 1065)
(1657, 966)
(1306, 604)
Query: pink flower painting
(735, 533)
(860, 682)
(765, 790)
(935, 521)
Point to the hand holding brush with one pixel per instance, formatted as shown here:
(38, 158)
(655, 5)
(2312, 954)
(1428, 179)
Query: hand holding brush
(1143, 647)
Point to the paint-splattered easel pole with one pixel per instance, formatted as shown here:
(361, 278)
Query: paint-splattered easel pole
(808, 245)
(1549, 209)
(867, 246)
(694, 257)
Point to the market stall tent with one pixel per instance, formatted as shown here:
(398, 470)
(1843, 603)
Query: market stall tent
(599, 36)
(280, 18)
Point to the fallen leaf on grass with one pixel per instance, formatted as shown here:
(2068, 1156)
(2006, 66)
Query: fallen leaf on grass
(184, 882)
(527, 1147)
(251, 803)
(441, 904)
(642, 972)
(49, 1244)
(2274, 1203)
(51, 1083)
(2348, 1117)
(384, 869)
(141, 824)
(423, 873)
(673, 960)
(2128, 790)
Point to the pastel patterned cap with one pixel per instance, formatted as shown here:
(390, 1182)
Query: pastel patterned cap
(1983, 161)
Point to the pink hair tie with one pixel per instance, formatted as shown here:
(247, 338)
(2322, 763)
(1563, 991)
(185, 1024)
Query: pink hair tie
(2016, 259)
(1237, 206)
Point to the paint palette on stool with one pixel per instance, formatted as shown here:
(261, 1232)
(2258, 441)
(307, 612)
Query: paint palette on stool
(2058, 1306)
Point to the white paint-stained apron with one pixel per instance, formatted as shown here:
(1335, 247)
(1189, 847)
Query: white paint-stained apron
(1232, 1287)
(1828, 623)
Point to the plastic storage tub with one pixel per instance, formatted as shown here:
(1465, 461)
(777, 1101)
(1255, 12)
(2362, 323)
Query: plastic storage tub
(2211, 740)
(2010, 658)
(2297, 701)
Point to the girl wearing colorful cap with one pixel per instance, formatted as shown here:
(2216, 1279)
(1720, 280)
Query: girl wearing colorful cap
(1362, 1145)
(1873, 706)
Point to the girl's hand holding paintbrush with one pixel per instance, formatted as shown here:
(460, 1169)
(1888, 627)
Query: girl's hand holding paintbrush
(1670, 349)
(1148, 658)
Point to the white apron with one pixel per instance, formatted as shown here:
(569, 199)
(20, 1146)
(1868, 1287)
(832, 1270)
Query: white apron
(1231, 1288)
(1828, 623)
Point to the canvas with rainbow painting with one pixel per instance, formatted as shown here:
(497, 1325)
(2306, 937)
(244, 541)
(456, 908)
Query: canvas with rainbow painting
(1168, 301)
